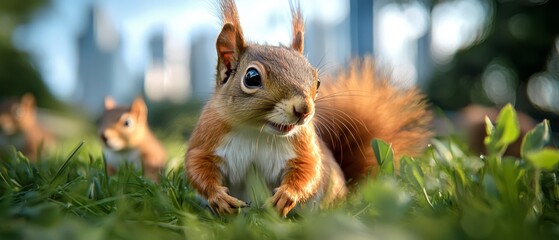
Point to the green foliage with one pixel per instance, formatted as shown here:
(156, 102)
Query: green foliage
(521, 55)
(18, 75)
(536, 138)
(544, 159)
(444, 194)
(533, 150)
(384, 156)
(506, 132)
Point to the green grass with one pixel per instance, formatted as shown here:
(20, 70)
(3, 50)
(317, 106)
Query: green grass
(445, 194)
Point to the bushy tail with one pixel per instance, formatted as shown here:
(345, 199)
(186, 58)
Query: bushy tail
(359, 106)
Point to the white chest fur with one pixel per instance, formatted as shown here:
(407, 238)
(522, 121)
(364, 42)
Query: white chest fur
(114, 158)
(245, 147)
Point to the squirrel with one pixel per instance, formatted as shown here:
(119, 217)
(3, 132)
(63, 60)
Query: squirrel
(266, 112)
(20, 128)
(126, 137)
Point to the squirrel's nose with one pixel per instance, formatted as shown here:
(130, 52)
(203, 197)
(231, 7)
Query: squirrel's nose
(301, 112)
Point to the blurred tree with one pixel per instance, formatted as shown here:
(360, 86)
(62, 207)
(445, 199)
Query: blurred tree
(17, 73)
(520, 36)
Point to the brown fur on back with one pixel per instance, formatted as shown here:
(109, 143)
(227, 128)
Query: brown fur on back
(360, 106)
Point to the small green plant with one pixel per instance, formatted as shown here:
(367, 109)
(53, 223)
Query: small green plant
(448, 193)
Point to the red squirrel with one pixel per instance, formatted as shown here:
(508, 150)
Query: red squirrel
(19, 127)
(267, 112)
(126, 136)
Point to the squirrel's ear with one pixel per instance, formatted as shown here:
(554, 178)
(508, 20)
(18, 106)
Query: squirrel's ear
(139, 108)
(229, 45)
(297, 42)
(109, 103)
(28, 101)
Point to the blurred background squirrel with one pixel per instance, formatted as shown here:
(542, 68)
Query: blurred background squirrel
(19, 127)
(127, 138)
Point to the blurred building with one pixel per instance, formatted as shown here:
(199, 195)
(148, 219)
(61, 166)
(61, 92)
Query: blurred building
(202, 64)
(167, 76)
(101, 69)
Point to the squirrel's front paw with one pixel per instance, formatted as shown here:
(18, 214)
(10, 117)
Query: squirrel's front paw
(223, 203)
(284, 201)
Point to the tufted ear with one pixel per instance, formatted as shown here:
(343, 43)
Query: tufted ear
(298, 39)
(109, 103)
(139, 109)
(26, 107)
(230, 43)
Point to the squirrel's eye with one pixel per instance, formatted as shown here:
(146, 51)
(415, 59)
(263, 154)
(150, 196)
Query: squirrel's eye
(252, 79)
(128, 122)
(318, 84)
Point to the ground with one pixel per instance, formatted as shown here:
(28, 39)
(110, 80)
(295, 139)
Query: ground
(448, 193)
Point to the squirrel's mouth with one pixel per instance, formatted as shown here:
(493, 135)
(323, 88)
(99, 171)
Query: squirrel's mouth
(282, 129)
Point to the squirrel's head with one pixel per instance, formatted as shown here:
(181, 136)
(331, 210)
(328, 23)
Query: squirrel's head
(17, 116)
(271, 88)
(123, 127)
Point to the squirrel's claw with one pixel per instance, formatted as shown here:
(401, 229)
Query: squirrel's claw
(283, 201)
(223, 203)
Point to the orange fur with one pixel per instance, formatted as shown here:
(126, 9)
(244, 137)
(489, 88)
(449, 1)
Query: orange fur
(265, 112)
(303, 174)
(124, 130)
(20, 127)
(298, 27)
(359, 106)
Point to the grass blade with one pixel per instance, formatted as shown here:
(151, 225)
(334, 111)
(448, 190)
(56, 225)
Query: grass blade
(67, 162)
